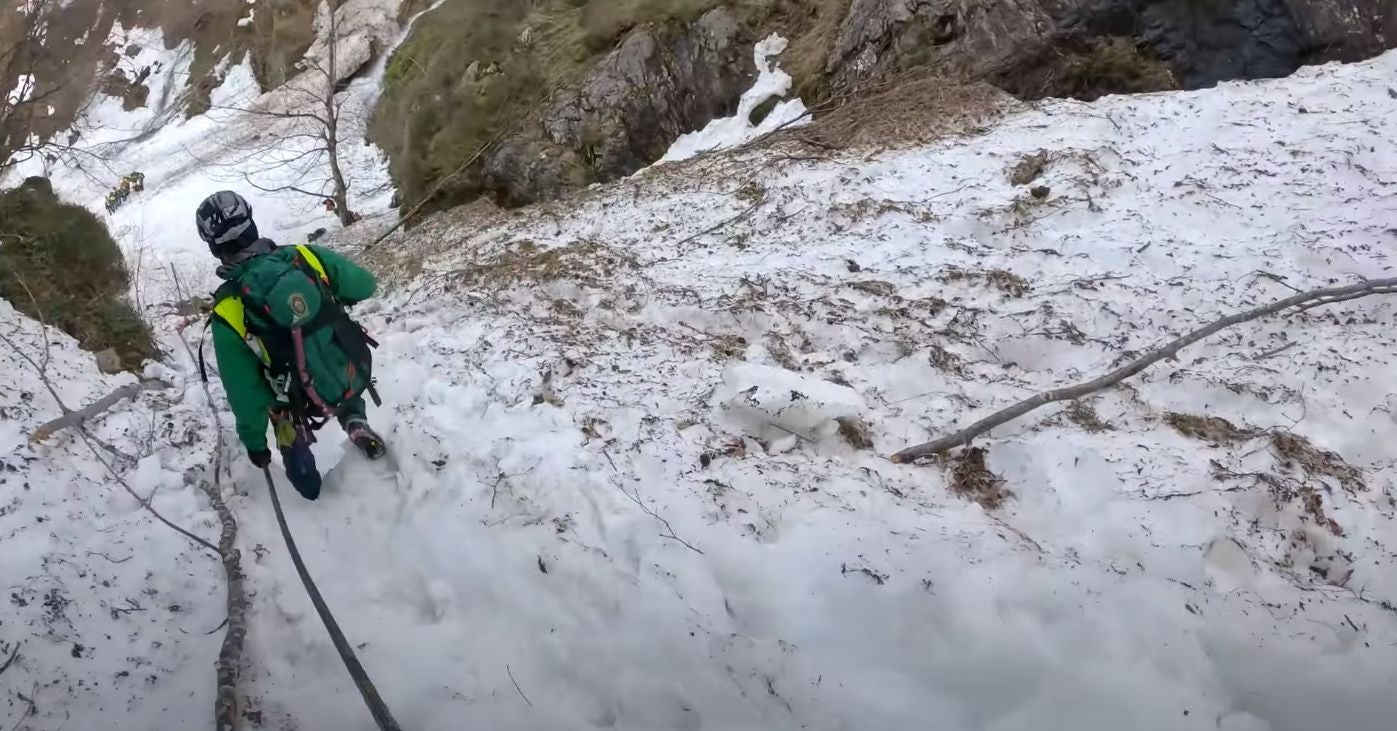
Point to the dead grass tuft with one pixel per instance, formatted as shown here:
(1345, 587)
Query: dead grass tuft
(944, 360)
(972, 479)
(1313, 504)
(874, 287)
(585, 262)
(1297, 452)
(854, 431)
(1028, 169)
(781, 352)
(1091, 70)
(1213, 429)
(910, 111)
(1082, 414)
(1009, 283)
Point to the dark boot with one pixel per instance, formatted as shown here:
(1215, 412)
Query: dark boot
(301, 470)
(364, 437)
(294, 444)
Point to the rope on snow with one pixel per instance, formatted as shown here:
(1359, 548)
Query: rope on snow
(382, 716)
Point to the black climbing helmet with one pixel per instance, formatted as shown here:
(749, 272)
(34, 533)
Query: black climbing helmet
(225, 223)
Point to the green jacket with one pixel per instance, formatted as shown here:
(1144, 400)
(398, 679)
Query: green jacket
(249, 393)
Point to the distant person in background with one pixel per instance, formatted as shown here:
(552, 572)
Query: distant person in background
(288, 352)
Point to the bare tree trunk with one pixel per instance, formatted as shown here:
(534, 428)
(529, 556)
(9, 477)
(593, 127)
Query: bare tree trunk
(1302, 301)
(332, 125)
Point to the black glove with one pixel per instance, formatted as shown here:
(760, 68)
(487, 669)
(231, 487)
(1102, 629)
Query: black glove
(261, 457)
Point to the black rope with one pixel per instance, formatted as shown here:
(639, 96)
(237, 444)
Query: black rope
(382, 716)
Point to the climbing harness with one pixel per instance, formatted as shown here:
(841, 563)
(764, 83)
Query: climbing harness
(382, 716)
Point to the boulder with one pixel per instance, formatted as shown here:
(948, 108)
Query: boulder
(108, 361)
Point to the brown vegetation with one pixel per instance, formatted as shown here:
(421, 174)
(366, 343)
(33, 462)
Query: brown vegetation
(59, 264)
(1090, 70)
(912, 110)
(971, 479)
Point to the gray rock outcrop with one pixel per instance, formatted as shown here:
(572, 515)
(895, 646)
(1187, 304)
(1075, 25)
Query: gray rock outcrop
(659, 83)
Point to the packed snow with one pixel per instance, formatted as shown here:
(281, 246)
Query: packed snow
(728, 132)
(622, 493)
(22, 90)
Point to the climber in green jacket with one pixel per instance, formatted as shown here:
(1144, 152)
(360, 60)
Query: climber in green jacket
(287, 351)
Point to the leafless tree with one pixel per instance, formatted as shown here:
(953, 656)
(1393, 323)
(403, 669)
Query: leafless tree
(31, 79)
(300, 150)
(23, 26)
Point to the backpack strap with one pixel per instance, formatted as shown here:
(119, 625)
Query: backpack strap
(203, 369)
(229, 310)
(314, 261)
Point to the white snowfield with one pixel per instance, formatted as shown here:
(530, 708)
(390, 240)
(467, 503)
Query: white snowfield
(618, 496)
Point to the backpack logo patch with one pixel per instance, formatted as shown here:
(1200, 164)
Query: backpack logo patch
(299, 308)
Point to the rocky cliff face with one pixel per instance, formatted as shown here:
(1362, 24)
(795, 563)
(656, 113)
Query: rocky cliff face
(1201, 41)
(663, 79)
(82, 46)
(660, 82)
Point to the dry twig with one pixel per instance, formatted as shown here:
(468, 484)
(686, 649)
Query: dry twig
(14, 653)
(650, 511)
(516, 686)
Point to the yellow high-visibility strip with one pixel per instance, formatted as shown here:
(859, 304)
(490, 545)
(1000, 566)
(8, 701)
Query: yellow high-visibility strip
(314, 262)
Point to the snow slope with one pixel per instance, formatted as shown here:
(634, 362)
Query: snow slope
(618, 497)
(108, 614)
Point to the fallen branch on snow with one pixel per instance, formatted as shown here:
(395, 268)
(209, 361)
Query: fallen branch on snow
(79, 417)
(1303, 301)
(41, 368)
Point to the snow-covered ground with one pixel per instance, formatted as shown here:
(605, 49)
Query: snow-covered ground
(618, 497)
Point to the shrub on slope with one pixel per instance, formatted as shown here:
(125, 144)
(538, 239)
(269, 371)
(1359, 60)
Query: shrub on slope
(65, 257)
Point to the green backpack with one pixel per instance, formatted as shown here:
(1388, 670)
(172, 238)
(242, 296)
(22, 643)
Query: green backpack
(282, 305)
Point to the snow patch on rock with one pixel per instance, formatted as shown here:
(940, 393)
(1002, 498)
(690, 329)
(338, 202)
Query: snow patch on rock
(728, 132)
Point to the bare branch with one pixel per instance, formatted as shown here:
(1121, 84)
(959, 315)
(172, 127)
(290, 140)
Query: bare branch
(283, 188)
(270, 113)
(510, 673)
(87, 438)
(80, 417)
(1302, 301)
